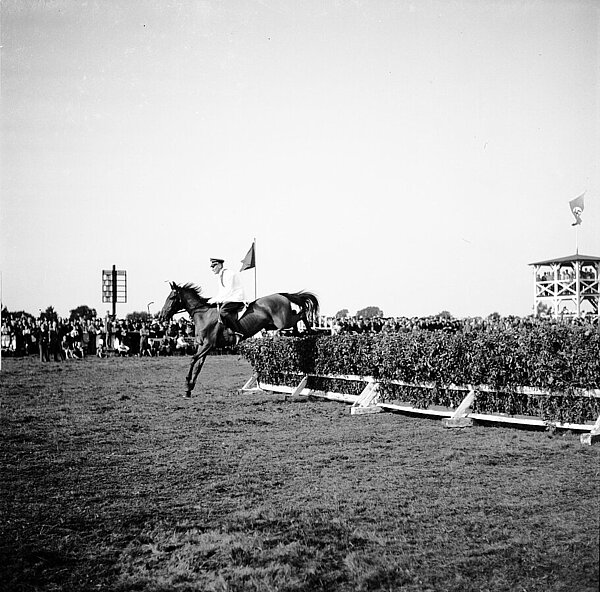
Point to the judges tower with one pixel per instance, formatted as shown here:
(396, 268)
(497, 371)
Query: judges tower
(570, 286)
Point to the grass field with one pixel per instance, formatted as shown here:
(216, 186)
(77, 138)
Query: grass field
(112, 481)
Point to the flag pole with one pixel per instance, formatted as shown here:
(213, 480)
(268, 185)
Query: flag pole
(254, 245)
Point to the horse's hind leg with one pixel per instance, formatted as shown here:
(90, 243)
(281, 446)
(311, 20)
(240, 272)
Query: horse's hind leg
(292, 323)
(301, 317)
(309, 329)
(308, 326)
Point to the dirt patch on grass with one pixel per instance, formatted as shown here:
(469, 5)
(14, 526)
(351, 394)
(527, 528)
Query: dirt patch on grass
(112, 481)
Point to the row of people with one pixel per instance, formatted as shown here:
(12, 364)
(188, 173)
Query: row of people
(61, 339)
(356, 325)
(566, 274)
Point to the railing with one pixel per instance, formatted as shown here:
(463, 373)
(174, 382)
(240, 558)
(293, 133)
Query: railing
(368, 401)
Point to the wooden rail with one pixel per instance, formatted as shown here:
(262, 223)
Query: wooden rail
(368, 401)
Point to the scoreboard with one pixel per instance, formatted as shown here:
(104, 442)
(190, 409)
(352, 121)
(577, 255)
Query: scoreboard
(114, 285)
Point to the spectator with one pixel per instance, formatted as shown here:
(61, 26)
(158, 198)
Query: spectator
(78, 351)
(55, 342)
(144, 343)
(166, 346)
(155, 347)
(67, 346)
(121, 347)
(91, 341)
(43, 337)
(101, 349)
(181, 344)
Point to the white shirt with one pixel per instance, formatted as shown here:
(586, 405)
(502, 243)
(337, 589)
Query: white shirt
(230, 288)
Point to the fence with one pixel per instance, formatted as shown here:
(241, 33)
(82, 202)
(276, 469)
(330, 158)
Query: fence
(368, 401)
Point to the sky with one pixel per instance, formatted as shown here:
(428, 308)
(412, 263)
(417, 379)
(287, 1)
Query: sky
(414, 156)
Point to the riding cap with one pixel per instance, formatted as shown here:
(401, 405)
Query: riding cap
(215, 260)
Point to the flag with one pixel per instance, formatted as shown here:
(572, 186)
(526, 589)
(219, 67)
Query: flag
(577, 208)
(249, 261)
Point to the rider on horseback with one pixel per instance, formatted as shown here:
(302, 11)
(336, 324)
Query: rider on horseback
(230, 296)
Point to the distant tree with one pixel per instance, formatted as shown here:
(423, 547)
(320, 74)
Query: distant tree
(50, 314)
(495, 316)
(445, 315)
(16, 314)
(84, 312)
(141, 316)
(342, 314)
(370, 312)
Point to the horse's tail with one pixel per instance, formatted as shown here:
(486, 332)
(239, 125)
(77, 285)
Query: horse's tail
(307, 301)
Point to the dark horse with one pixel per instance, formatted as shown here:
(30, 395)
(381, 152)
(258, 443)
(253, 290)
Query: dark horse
(272, 312)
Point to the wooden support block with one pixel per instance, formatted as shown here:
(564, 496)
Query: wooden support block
(459, 418)
(250, 386)
(299, 388)
(365, 410)
(590, 438)
(457, 422)
(593, 436)
(367, 401)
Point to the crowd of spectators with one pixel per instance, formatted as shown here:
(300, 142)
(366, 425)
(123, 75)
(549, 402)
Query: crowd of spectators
(566, 274)
(61, 339)
(442, 322)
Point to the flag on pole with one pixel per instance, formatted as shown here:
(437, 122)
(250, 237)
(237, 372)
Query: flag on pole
(577, 208)
(248, 262)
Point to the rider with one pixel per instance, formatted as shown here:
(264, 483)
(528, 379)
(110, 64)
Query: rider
(230, 296)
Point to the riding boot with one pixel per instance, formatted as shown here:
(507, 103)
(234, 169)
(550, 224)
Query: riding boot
(233, 324)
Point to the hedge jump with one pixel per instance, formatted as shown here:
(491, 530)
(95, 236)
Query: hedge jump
(368, 401)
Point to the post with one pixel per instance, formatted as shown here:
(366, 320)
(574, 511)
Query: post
(254, 245)
(1, 305)
(598, 290)
(114, 292)
(535, 290)
(555, 268)
(593, 436)
(578, 287)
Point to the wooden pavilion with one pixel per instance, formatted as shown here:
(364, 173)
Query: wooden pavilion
(569, 286)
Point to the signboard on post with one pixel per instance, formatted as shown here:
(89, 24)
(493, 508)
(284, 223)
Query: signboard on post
(114, 287)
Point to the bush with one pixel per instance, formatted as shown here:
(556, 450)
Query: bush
(558, 358)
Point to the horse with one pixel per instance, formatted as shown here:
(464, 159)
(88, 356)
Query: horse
(273, 312)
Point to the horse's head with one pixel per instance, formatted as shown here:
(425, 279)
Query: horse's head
(187, 297)
(173, 304)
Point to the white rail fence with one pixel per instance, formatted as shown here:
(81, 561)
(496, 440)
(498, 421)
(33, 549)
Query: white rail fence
(368, 401)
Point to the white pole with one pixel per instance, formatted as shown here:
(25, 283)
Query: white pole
(1, 307)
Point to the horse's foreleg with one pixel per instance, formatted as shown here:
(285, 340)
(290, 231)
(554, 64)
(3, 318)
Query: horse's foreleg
(188, 378)
(195, 368)
(191, 384)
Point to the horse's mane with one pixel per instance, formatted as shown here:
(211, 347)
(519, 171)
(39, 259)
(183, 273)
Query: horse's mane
(197, 290)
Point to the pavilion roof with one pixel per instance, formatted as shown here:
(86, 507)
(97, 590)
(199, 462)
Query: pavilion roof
(568, 259)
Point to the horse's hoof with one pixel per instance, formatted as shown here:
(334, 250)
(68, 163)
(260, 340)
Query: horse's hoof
(188, 395)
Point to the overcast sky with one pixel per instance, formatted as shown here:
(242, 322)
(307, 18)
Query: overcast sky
(414, 156)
